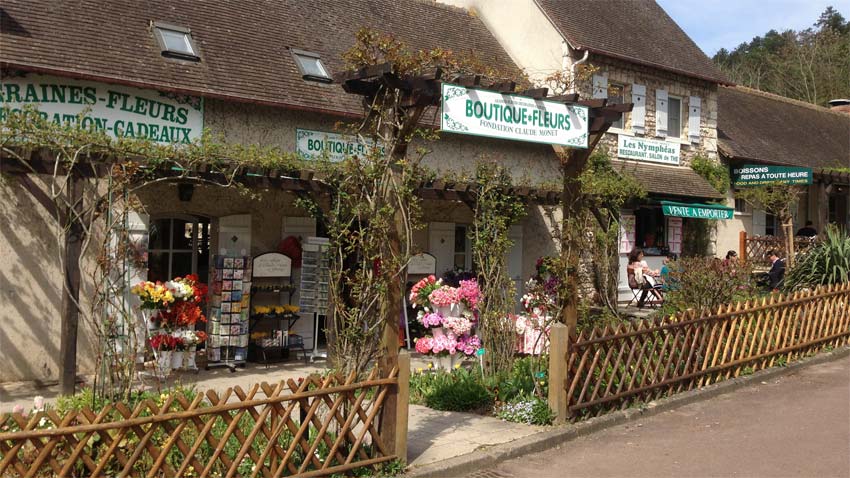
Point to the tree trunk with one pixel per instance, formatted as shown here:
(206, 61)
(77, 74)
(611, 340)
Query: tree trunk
(71, 290)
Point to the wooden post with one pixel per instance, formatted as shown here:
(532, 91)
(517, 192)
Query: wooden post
(399, 443)
(742, 246)
(789, 242)
(571, 168)
(70, 290)
(559, 348)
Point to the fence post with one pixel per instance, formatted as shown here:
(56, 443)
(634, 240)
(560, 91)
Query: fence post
(402, 403)
(742, 246)
(559, 347)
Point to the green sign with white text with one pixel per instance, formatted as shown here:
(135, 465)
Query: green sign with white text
(696, 211)
(760, 175)
(488, 113)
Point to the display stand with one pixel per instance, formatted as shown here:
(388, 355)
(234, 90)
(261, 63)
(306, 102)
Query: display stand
(229, 310)
(272, 282)
(420, 265)
(315, 277)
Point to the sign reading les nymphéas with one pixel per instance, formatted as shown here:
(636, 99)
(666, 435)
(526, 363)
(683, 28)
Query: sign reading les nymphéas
(120, 111)
(759, 175)
(487, 113)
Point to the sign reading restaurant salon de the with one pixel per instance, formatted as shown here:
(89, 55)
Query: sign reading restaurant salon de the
(507, 116)
(120, 111)
(644, 149)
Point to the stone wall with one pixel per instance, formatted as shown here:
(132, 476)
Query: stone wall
(625, 73)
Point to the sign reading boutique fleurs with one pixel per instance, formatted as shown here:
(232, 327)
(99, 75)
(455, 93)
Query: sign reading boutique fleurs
(333, 147)
(120, 111)
(487, 113)
(643, 149)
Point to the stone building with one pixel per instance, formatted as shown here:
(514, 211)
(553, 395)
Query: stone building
(765, 129)
(643, 57)
(256, 74)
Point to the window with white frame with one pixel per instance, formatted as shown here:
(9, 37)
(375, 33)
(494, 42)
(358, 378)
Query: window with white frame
(616, 96)
(674, 117)
(178, 246)
(462, 248)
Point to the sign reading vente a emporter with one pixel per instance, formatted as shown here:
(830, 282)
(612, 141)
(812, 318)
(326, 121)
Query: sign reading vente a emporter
(759, 175)
(120, 111)
(487, 113)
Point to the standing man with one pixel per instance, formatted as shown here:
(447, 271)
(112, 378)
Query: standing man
(776, 275)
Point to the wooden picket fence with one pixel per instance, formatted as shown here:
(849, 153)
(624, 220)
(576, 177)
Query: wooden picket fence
(615, 367)
(754, 249)
(314, 427)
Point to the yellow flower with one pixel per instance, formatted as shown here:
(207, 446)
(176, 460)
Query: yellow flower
(430, 365)
(457, 365)
(419, 370)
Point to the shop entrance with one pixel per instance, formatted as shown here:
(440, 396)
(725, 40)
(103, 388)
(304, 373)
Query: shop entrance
(179, 246)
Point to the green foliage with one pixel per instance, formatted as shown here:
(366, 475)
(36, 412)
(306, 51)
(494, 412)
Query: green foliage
(458, 390)
(702, 283)
(777, 200)
(527, 377)
(496, 209)
(811, 65)
(529, 409)
(827, 262)
(716, 173)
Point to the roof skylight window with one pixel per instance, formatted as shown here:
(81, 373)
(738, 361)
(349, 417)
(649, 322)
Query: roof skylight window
(175, 42)
(311, 67)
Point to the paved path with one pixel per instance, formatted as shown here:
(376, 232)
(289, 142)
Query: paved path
(797, 425)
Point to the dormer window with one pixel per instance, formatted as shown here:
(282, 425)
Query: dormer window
(311, 67)
(175, 41)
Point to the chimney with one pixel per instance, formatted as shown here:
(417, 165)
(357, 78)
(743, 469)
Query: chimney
(840, 105)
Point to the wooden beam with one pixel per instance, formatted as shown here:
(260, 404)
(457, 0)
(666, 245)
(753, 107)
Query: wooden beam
(468, 81)
(505, 86)
(568, 98)
(593, 103)
(536, 93)
(371, 71)
(71, 289)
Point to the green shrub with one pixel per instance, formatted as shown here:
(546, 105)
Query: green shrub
(531, 410)
(520, 381)
(827, 262)
(703, 283)
(460, 390)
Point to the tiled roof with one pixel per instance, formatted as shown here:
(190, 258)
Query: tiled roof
(635, 30)
(757, 126)
(243, 43)
(669, 180)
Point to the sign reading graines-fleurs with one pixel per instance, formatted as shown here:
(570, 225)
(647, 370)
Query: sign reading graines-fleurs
(758, 175)
(487, 113)
(642, 149)
(120, 111)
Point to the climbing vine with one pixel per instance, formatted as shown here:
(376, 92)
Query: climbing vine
(496, 209)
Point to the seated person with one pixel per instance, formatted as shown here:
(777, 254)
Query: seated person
(667, 283)
(808, 231)
(640, 276)
(776, 274)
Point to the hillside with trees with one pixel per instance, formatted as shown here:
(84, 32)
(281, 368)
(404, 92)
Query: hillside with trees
(811, 65)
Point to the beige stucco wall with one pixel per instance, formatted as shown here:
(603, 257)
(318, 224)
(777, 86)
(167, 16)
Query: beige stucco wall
(31, 290)
(523, 30)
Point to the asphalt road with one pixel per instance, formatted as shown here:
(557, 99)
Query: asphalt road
(797, 425)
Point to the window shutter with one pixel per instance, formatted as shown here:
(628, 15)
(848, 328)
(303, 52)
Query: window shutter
(661, 113)
(674, 234)
(600, 86)
(627, 233)
(639, 109)
(694, 109)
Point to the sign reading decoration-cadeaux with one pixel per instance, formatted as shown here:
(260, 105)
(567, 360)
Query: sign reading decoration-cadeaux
(507, 116)
(119, 111)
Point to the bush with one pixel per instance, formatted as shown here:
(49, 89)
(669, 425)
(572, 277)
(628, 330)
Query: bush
(460, 390)
(702, 283)
(531, 410)
(827, 262)
(521, 379)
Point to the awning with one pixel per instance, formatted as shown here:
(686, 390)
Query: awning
(675, 181)
(696, 210)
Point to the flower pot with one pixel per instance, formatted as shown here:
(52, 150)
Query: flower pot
(163, 363)
(453, 310)
(190, 358)
(447, 362)
(177, 360)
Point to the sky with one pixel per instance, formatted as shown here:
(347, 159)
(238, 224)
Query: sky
(716, 24)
